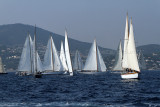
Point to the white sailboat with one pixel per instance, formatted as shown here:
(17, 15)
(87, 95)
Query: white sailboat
(67, 53)
(77, 64)
(37, 65)
(118, 59)
(52, 63)
(131, 68)
(63, 58)
(25, 64)
(2, 70)
(141, 61)
(94, 63)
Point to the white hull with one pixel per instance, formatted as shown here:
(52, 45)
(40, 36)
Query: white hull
(129, 76)
(89, 72)
(54, 73)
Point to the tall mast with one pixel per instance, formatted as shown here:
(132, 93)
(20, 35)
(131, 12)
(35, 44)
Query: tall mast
(35, 49)
(30, 52)
(52, 53)
(96, 55)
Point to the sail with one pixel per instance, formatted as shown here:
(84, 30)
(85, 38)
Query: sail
(25, 63)
(94, 61)
(132, 56)
(1, 66)
(67, 53)
(118, 59)
(39, 64)
(101, 64)
(141, 60)
(78, 64)
(63, 58)
(91, 61)
(51, 58)
(125, 57)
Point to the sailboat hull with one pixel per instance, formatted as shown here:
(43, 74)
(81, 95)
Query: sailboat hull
(53, 73)
(130, 76)
(4, 73)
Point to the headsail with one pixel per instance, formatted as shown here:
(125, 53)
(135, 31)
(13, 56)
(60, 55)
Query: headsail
(67, 53)
(25, 63)
(63, 58)
(118, 59)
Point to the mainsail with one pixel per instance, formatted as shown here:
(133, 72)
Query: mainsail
(78, 64)
(125, 53)
(132, 56)
(94, 61)
(118, 59)
(67, 53)
(63, 58)
(51, 58)
(25, 63)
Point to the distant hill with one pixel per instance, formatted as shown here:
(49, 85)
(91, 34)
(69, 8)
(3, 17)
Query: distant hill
(15, 34)
(149, 49)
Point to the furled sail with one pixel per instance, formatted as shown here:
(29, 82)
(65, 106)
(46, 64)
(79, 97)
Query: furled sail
(51, 58)
(94, 61)
(25, 63)
(118, 59)
(132, 56)
(78, 64)
(125, 53)
(67, 53)
(63, 58)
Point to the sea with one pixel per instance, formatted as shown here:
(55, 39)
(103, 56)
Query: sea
(106, 90)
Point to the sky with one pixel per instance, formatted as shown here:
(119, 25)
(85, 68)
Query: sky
(86, 20)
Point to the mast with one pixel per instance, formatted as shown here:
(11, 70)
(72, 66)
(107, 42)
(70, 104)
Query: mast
(35, 49)
(52, 53)
(30, 52)
(96, 55)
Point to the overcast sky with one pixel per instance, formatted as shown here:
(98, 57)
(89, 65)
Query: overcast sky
(88, 19)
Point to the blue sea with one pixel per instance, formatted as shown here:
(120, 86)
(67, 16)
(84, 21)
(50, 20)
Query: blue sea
(107, 90)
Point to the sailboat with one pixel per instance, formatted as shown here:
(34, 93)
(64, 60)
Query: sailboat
(37, 65)
(63, 58)
(52, 63)
(25, 66)
(2, 70)
(118, 59)
(130, 61)
(67, 53)
(78, 64)
(141, 61)
(94, 63)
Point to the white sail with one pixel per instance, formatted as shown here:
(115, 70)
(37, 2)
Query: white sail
(37, 64)
(94, 61)
(51, 58)
(118, 59)
(67, 53)
(132, 56)
(101, 64)
(125, 57)
(141, 61)
(78, 64)
(63, 58)
(1, 66)
(25, 63)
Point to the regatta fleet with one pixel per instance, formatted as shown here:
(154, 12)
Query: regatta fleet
(127, 61)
